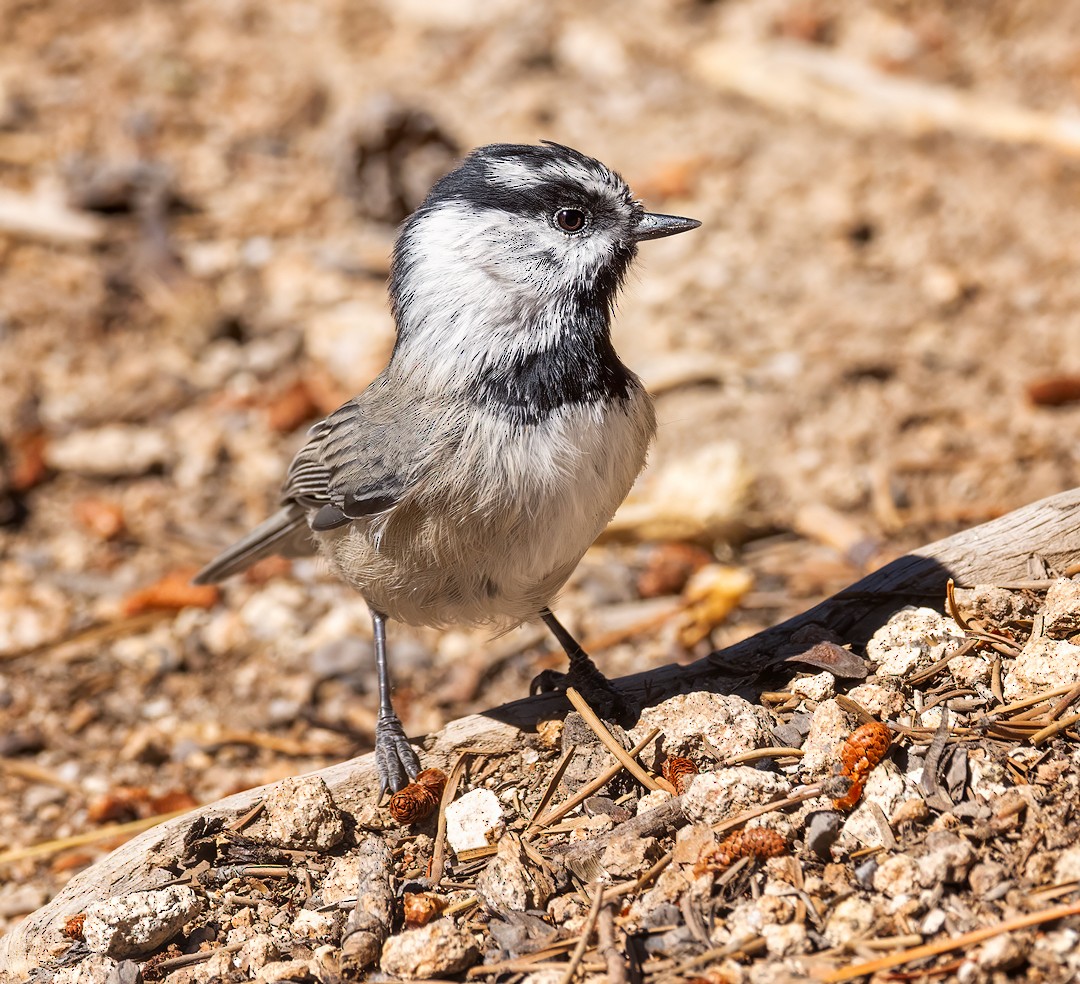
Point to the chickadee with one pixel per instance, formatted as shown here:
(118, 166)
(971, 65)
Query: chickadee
(466, 482)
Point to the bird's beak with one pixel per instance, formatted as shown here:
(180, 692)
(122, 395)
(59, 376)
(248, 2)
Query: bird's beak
(654, 226)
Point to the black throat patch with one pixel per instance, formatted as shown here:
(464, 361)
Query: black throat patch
(578, 369)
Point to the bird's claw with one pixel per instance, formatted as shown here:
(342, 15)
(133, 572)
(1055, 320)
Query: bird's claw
(395, 759)
(606, 699)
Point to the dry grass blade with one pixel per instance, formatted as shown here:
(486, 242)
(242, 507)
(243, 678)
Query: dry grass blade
(598, 783)
(122, 830)
(928, 673)
(98, 632)
(553, 783)
(1019, 705)
(754, 754)
(35, 773)
(586, 933)
(954, 611)
(438, 852)
(944, 946)
(1053, 729)
(609, 742)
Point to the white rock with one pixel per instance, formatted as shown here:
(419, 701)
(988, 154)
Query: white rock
(882, 699)
(511, 881)
(818, 687)
(947, 860)
(473, 820)
(651, 800)
(300, 814)
(992, 605)
(886, 788)
(256, 952)
(30, 614)
(136, 924)
(973, 671)
(1067, 865)
(850, 918)
(785, 939)
(1043, 663)
(911, 639)
(896, 876)
(1061, 608)
(95, 969)
(311, 924)
(1003, 952)
(435, 949)
(829, 729)
(716, 796)
(111, 451)
(731, 724)
(281, 971)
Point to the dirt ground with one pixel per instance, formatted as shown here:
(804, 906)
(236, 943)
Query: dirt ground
(873, 341)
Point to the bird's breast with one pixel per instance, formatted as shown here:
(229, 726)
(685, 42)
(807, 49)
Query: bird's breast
(503, 517)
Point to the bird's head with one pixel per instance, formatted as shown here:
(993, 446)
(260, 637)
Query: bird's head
(517, 243)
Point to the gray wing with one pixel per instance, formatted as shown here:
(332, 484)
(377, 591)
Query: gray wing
(354, 464)
(347, 470)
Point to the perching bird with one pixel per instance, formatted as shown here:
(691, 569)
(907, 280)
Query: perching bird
(466, 482)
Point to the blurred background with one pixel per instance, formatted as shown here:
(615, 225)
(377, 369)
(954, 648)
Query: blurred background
(873, 341)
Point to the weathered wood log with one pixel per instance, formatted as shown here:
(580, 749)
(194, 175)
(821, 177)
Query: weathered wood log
(1000, 551)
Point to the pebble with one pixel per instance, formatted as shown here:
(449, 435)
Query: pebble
(911, 639)
(511, 882)
(314, 925)
(1067, 865)
(822, 829)
(626, 858)
(731, 724)
(430, 951)
(473, 820)
(280, 971)
(651, 800)
(136, 924)
(947, 860)
(883, 699)
(987, 876)
(821, 686)
(300, 815)
(897, 875)
(887, 789)
(1061, 609)
(95, 969)
(786, 939)
(829, 729)
(1043, 663)
(111, 451)
(715, 796)
(1003, 952)
(256, 952)
(992, 605)
(850, 917)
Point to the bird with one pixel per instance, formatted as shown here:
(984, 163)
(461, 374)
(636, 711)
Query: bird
(467, 480)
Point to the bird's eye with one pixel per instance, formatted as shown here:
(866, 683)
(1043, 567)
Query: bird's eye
(570, 219)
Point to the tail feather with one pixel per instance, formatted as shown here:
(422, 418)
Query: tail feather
(285, 533)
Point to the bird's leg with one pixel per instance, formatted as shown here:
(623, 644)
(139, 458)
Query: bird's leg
(394, 756)
(584, 675)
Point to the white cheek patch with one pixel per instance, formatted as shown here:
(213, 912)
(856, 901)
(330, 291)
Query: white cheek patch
(481, 283)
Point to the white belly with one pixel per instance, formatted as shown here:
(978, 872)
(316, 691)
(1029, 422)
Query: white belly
(500, 551)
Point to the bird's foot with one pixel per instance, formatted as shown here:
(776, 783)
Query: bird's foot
(599, 692)
(395, 759)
